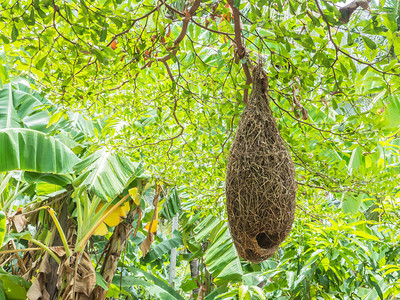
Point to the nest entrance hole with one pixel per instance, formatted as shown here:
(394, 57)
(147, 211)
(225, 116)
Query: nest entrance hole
(266, 241)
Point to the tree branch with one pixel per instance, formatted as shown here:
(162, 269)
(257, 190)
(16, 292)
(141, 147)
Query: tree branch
(185, 24)
(241, 50)
(133, 23)
(168, 70)
(338, 49)
(347, 10)
(227, 34)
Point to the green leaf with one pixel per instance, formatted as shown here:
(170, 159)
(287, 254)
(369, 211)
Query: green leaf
(221, 258)
(4, 39)
(378, 288)
(2, 227)
(44, 188)
(29, 150)
(3, 75)
(55, 118)
(24, 235)
(4, 182)
(365, 235)
(162, 248)
(58, 179)
(100, 281)
(396, 45)
(231, 272)
(205, 227)
(188, 285)
(14, 287)
(9, 117)
(14, 34)
(158, 290)
(389, 20)
(103, 34)
(218, 291)
(390, 269)
(99, 55)
(351, 204)
(2, 295)
(21, 106)
(162, 284)
(32, 17)
(105, 174)
(40, 63)
(369, 43)
(171, 206)
(392, 112)
(356, 159)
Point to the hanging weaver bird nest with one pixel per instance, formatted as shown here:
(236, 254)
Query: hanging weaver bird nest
(260, 180)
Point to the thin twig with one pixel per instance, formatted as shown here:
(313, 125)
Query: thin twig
(169, 139)
(338, 49)
(169, 71)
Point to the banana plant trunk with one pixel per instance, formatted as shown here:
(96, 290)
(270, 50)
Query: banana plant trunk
(113, 251)
(115, 246)
(46, 277)
(51, 284)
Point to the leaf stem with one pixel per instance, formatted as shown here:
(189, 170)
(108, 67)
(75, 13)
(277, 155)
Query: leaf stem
(47, 249)
(81, 244)
(60, 231)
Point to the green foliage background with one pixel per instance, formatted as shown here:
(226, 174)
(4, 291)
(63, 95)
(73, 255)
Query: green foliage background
(333, 87)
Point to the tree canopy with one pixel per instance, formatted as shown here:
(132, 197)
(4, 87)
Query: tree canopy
(126, 98)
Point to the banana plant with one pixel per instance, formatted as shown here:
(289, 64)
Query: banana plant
(96, 181)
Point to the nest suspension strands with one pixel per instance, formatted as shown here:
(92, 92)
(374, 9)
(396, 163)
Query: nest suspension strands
(260, 180)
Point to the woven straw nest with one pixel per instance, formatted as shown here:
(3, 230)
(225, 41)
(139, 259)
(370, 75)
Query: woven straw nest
(260, 180)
